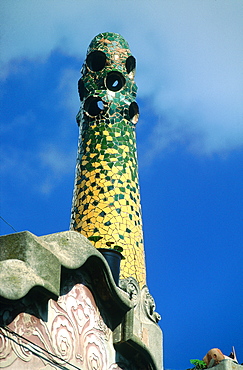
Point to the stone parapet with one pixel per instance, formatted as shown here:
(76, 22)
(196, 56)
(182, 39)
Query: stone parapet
(227, 365)
(47, 283)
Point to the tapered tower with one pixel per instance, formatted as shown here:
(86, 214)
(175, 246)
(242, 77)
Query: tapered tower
(61, 304)
(106, 202)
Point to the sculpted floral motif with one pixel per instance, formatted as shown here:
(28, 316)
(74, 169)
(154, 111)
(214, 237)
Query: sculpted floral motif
(103, 328)
(130, 286)
(75, 333)
(148, 304)
(63, 337)
(140, 297)
(115, 367)
(5, 349)
(25, 325)
(22, 352)
(95, 353)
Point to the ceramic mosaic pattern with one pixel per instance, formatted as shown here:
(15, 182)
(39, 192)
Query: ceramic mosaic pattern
(106, 200)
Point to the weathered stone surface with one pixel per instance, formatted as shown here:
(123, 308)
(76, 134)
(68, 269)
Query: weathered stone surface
(140, 327)
(54, 264)
(70, 247)
(227, 364)
(26, 262)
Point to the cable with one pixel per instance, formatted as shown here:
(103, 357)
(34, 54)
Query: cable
(8, 224)
(34, 350)
(36, 354)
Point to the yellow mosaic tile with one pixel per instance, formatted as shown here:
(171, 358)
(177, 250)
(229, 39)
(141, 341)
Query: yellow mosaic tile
(106, 200)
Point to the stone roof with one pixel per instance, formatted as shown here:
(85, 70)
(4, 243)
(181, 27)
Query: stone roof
(34, 269)
(28, 261)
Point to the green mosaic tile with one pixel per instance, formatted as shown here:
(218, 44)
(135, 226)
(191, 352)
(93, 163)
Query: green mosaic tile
(106, 174)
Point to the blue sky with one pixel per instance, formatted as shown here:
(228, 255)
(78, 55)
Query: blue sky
(189, 136)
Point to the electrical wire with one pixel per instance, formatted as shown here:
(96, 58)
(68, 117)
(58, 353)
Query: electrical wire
(8, 224)
(38, 351)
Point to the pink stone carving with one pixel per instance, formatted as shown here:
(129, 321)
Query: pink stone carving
(74, 335)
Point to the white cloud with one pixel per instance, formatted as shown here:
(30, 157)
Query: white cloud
(55, 163)
(46, 161)
(47, 166)
(19, 162)
(68, 90)
(57, 160)
(189, 57)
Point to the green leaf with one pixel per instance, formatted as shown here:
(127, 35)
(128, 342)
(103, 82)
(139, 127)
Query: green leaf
(199, 364)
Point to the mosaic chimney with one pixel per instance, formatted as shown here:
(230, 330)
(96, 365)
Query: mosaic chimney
(106, 202)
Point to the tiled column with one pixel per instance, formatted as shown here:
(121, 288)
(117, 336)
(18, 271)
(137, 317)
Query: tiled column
(106, 202)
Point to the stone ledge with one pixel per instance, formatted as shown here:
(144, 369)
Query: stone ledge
(34, 269)
(28, 261)
(227, 364)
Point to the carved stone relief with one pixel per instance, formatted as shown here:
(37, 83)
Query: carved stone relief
(74, 336)
(140, 327)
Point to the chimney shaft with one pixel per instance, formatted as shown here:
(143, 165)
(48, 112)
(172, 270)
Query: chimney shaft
(106, 202)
